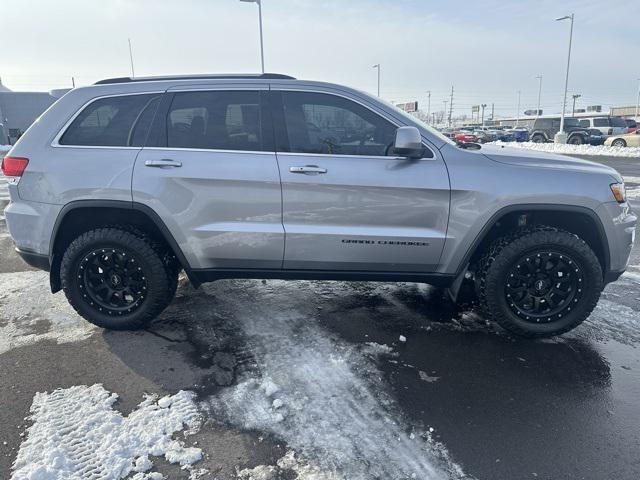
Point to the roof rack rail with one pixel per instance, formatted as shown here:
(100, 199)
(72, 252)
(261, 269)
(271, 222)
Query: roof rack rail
(241, 76)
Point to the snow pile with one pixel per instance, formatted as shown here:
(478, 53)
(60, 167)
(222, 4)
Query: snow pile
(322, 396)
(632, 185)
(29, 313)
(76, 434)
(574, 149)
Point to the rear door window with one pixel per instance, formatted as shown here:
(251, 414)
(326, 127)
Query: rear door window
(600, 122)
(121, 121)
(215, 120)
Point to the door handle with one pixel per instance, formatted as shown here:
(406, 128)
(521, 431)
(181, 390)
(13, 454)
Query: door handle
(308, 169)
(163, 163)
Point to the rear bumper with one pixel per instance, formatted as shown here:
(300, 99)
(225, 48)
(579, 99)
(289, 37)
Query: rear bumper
(36, 260)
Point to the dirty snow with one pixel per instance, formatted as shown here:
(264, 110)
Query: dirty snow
(76, 434)
(29, 313)
(331, 412)
(574, 149)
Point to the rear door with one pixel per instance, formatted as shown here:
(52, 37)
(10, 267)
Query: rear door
(209, 170)
(348, 202)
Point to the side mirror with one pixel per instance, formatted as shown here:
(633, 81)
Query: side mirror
(408, 142)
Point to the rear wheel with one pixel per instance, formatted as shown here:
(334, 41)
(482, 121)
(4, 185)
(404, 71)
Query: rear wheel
(117, 279)
(619, 142)
(576, 140)
(538, 138)
(539, 282)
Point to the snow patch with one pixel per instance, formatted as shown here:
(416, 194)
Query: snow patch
(598, 150)
(332, 411)
(76, 434)
(29, 313)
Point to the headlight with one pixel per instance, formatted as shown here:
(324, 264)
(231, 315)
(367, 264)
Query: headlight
(619, 192)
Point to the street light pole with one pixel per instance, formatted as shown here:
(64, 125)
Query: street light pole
(518, 111)
(539, 77)
(484, 105)
(377, 66)
(259, 2)
(428, 104)
(573, 110)
(444, 117)
(561, 136)
(638, 102)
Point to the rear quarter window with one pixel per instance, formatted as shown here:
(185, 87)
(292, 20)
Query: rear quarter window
(121, 121)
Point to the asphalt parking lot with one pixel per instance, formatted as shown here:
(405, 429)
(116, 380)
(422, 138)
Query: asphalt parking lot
(319, 369)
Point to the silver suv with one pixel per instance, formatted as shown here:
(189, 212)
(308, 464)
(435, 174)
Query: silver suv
(121, 185)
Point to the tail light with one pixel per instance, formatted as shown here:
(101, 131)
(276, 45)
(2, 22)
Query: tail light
(14, 166)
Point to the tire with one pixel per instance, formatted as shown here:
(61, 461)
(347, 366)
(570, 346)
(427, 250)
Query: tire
(576, 140)
(538, 138)
(508, 284)
(619, 142)
(116, 278)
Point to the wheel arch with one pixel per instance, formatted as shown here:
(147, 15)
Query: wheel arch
(579, 220)
(83, 215)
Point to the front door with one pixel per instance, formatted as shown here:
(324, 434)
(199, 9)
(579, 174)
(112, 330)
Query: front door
(209, 170)
(348, 202)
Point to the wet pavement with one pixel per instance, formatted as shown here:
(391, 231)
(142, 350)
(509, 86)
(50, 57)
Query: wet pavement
(319, 368)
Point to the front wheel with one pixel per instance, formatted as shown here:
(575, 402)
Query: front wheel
(117, 279)
(538, 138)
(539, 282)
(618, 142)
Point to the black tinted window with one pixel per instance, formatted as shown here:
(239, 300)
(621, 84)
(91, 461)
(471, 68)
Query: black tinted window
(600, 122)
(584, 123)
(112, 122)
(322, 123)
(223, 120)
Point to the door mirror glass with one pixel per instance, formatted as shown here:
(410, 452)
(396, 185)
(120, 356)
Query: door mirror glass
(408, 142)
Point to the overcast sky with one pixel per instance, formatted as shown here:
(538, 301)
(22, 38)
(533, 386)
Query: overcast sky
(488, 49)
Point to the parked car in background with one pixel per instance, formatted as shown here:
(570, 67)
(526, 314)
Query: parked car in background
(505, 136)
(484, 136)
(596, 137)
(627, 140)
(544, 130)
(520, 134)
(607, 125)
(466, 137)
(632, 125)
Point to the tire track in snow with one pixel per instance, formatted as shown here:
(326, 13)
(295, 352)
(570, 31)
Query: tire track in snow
(76, 435)
(319, 394)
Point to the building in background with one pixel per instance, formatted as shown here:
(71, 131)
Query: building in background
(18, 110)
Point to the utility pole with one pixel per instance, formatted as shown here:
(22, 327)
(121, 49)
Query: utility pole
(428, 104)
(484, 105)
(444, 116)
(575, 97)
(73, 82)
(539, 77)
(493, 111)
(518, 111)
(561, 136)
(377, 65)
(451, 106)
(133, 72)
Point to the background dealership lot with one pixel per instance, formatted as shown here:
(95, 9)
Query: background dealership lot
(318, 369)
